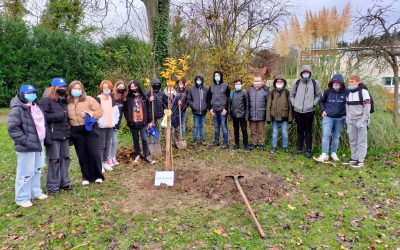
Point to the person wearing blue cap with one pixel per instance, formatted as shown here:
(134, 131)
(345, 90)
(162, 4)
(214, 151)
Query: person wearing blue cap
(82, 110)
(27, 128)
(54, 106)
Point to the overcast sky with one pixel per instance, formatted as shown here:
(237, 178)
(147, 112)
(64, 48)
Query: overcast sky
(117, 12)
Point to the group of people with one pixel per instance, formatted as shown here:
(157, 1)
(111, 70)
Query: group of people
(66, 115)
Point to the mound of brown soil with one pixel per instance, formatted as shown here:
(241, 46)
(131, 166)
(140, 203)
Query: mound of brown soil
(199, 186)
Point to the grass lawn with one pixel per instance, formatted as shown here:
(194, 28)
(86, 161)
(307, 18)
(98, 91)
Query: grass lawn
(326, 207)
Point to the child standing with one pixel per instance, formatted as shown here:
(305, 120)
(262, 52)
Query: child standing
(279, 112)
(358, 108)
(27, 128)
(239, 111)
(333, 110)
(119, 95)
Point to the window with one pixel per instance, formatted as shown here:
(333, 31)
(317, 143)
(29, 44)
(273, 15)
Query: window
(388, 81)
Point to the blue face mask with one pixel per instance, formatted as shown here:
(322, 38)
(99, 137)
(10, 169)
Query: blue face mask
(217, 78)
(336, 87)
(30, 97)
(352, 87)
(306, 75)
(76, 92)
(107, 92)
(238, 87)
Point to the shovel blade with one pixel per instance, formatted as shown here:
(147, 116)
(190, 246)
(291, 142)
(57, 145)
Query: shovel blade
(181, 144)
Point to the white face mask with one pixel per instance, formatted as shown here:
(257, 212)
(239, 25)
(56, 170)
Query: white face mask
(257, 84)
(279, 86)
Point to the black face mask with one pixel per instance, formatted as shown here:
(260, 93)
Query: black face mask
(61, 92)
(121, 91)
(134, 91)
(156, 87)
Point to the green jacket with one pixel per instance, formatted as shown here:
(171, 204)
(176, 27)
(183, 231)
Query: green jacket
(279, 107)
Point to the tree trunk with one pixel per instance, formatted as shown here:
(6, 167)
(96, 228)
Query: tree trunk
(396, 92)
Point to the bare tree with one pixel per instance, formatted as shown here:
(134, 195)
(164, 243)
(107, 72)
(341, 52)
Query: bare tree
(379, 28)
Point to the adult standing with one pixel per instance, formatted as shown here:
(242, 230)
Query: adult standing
(83, 113)
(304, 95)
(258, 96)
(54, 106)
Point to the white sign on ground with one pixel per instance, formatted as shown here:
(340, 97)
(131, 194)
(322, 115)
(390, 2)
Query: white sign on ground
(164, 177)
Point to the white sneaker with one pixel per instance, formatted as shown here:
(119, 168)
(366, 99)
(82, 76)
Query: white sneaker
(137, 159)
(98, 181)
(115, 161)
(42, 197)
(335, 157)
(85, 182)
(108, 165)
(25, 204)
(323, 157)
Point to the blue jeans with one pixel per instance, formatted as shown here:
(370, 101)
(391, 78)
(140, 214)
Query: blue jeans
(114, 143)
(198, 121)
(29, 170)
(220, 121)
(183, 117)
(331, 127)
(275, 131)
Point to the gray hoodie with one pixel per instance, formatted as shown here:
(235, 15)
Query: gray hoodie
(305, 98)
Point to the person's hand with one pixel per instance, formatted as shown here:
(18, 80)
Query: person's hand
(83, 114)
(212, 112)
(150, 125)
(224, 112)
(323, 114)
(180, 103)
(151, 98)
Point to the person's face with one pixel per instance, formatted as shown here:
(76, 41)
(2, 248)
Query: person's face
(133, 88)
(239, 83)
(121, 86)
(336, 84)
(257, 82)
(77, 87)
(106, 87)
(63, 87)
(353, 83)
(181, 85)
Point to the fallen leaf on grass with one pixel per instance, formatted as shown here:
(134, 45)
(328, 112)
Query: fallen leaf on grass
(200, 243)
(291, 207)
(340, 194)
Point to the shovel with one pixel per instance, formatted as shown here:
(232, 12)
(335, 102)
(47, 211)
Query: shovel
(236, 178)
(181, 143)
(154, 146)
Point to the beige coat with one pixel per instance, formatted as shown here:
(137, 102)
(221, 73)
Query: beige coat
(89, 106)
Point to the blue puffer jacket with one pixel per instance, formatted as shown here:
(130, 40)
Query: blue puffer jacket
(333, 101)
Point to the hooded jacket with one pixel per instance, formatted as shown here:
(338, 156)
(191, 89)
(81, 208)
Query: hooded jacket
(197, 97)
(333, 102)
(130, 106)
(55, 113)
(21, 127)
(257, 103)
(218, 96)
(160, 100)
(279, 107)
(304, 97)
(181, 95)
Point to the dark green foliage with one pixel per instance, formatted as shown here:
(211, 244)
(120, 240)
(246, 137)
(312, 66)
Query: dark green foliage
(63, 14)
(37, 55)
(160, 33)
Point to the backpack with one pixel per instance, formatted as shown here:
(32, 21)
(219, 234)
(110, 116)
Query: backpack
(314, 84)
(360, 98)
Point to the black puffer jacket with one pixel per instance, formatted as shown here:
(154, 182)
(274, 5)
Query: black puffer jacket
(160, 100)
(239, 104)
(21, 127)
(218, 95)
(197, 97)
(55, 113)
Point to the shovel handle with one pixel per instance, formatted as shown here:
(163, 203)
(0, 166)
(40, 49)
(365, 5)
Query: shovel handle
(180, 122)
(259, 228)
